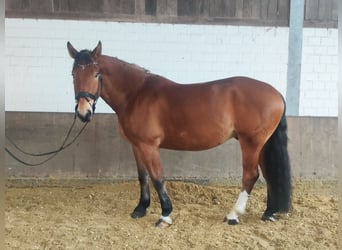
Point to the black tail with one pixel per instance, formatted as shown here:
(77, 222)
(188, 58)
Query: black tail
(277, 166)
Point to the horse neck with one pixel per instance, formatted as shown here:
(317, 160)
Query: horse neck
(119, 81)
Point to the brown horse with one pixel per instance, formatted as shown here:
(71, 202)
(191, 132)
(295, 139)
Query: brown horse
(154, 112)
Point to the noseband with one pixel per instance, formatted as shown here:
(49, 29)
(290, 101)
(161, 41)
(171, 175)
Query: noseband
(87, 95)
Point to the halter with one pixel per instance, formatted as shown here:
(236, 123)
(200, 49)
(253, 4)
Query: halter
(87, 95)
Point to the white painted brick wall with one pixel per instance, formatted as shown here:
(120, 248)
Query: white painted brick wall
(319, 72)
(38, 65)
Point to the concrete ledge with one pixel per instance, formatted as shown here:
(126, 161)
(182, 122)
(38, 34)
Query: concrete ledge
(100, 152)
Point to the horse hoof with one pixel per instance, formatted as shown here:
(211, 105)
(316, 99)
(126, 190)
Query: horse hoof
(138, 214)
(270, 217)
(164, 222)
(231, 221)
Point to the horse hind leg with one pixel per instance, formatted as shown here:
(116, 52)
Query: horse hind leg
(250, 156)
(270, 209)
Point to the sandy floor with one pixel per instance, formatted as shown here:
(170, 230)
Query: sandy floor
(98, 217)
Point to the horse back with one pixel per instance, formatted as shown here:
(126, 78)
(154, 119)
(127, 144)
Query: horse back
(203, 115)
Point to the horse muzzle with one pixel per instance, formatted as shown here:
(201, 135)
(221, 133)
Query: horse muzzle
(85, 106)
(85, 111)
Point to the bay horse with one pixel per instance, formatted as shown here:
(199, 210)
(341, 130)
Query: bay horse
(154, 112)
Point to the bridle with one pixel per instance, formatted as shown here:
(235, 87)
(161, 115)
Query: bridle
(87, 95)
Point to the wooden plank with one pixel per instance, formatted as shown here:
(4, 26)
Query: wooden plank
(222, 8)
(162, 7)
(264, 9)
(17, 5)
(239, 8)
(139, 9)
(127, 7)
(334, 14)
(186, 8)
(283, 9)
(311, 10)
(256, 11)
(325, 10)
(247, 8)
(203, 7)
(151, 7)
(114, 6)
(230, 8)
(80, 6)
(251, 9)
(41, 5)
(272, 10)
(166, 8)
(191, 8)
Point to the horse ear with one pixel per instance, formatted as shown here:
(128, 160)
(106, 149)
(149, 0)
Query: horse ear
(72, 51)
(97, 51)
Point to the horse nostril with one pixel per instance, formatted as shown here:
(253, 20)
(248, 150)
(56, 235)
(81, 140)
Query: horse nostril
(88, 116)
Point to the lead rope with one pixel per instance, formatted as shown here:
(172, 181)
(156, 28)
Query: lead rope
(52, 153)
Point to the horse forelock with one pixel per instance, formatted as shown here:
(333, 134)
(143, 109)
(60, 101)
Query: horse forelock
(83, 58)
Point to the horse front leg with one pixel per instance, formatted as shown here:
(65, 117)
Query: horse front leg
(165, 203)
(150, 157)
(144, 201)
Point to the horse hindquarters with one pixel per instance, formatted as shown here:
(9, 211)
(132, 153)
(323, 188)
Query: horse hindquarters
(275, 165)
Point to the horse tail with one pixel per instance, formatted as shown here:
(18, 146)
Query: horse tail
(277, 167)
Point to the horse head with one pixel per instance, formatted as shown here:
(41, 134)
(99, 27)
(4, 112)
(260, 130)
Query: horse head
(87, 80)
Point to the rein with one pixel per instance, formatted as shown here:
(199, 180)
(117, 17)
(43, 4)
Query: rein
(64, 145)
(52, 153)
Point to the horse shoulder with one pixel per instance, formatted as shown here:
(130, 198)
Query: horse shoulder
(140, 122)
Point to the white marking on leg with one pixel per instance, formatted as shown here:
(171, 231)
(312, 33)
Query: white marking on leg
(166, 219)
(241, 203)
(271, 218)
(239, 207)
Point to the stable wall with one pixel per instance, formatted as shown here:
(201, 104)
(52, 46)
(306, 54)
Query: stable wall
(38, 67)
(101, 152)
(186, 41)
